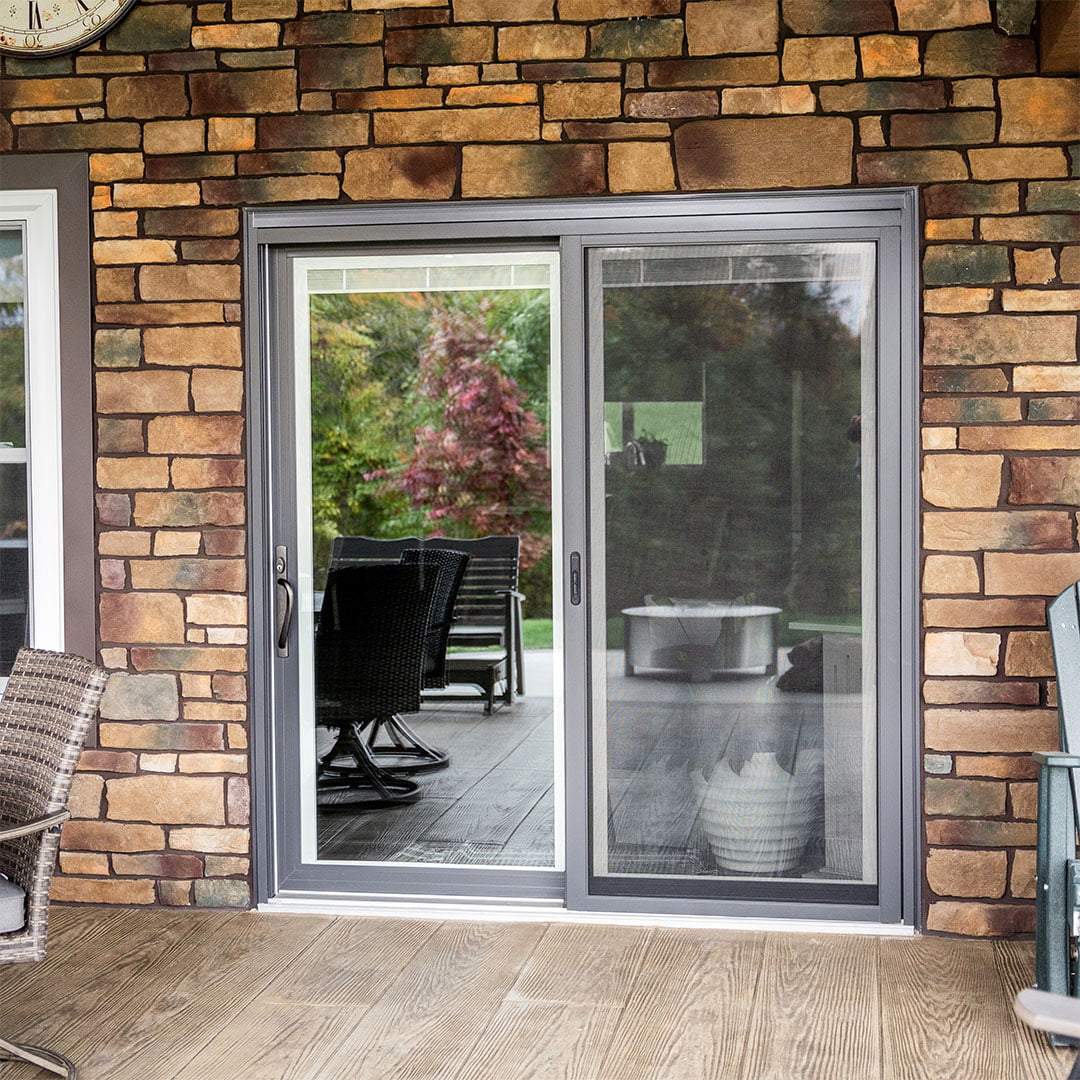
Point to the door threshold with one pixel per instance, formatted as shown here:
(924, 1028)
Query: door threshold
(554, 912)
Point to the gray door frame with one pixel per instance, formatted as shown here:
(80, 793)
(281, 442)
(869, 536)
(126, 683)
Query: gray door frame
(270, 235)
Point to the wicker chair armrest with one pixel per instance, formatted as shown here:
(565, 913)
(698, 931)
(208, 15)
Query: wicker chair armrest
(41, 824)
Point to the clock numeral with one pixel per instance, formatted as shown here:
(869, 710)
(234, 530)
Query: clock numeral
(34, 17)
(85, 9)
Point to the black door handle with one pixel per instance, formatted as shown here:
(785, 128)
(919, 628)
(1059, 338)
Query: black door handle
(575, 577)
(286, 603)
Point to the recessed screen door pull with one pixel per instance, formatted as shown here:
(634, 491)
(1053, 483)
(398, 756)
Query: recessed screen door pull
(286, 599)
(575, 577)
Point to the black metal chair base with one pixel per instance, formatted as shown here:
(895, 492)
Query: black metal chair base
(363, 785)
(405, 752)
(39, 1056)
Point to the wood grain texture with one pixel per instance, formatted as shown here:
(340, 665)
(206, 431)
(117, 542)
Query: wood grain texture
(219, 995)
(816, 1011)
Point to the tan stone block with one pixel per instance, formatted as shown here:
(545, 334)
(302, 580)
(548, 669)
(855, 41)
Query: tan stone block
(112, 223)
(196, 686)
(216, 711)
(195, 434)
(769, 100)
(818, 59)
(949, 229)
(230, 133)
(111, 252)
(167, 799)
(1026, 437)
(1005, 163)
(963, 798)
(492, 94)
(549, 169)
(49, 93)
(715, 27)
(84, 801)
(542, 42)
(1037, 110)
(871, 132)
(141, 617)
(133, 472)
(226, 865)
(115, 285)
(213, 763)
(671, 104)
(174, 137)
(792, 151)
(238, 739)
(1070, 264)
(1023, 801)
(1040, 299)
(211, 281)
(103, 890)
(215, 609)
(1005, 530)
(1031, 228)
(1036, 267)
(1029, 653)
(983, 692)
(226, 635)
(190, 346)
(168, 542)
(196, 473)
(121, 542)
(640, 166)
(83, 863)
(993, 339)
(110, 836)
(228, 841)
(939, 438)
(977, 613)
(217, 390)
(1022, 878)
(910, 166)
(413, 172)
(950, 574)
(955, 480)
(951, 872)
(142, 392)
(507, 123)
(885, 55)
(974, 94)
(1026, 574)
(961, 653)
(956, 301)
(230, 687)
(252, 35)
(582, 101)
(185, 508)
(941, 14)
(1035, 378)
(998, 730)
(143, 195)
(158, 763)
(108, 168)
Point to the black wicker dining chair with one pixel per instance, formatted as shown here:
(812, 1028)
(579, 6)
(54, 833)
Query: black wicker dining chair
(369, 666)
(45, 712)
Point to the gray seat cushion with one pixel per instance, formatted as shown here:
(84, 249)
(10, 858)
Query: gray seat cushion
(12, 906)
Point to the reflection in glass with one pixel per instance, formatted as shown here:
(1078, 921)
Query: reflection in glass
(430, 428)
(733, 731)
(14, 533)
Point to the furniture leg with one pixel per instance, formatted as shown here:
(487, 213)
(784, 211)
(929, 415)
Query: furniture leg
(39, 1056)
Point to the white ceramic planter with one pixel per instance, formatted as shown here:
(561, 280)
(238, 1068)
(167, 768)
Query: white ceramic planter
(758, 820)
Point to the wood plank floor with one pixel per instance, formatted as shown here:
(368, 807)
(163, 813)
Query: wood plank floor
(217, 995)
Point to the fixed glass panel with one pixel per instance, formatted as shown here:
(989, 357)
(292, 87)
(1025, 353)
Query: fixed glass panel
(14, 518)
(425, 438)
(733, 731)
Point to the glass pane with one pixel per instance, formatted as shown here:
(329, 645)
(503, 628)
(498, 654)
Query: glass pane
(14, 578)
(12, 339)
(733, 720)
(429, 410)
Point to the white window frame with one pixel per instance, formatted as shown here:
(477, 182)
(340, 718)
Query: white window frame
(35, 212)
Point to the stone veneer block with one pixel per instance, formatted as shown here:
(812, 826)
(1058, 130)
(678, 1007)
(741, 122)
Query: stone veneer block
(1045, 379)
(593, 10)
(1044, 480)
(998, 339)
(787, 151)
(768, 100)
(146, 97)
(545, 42)
(495, 11)
(1001, 530)
(726, 71)
(187, 346)
(191, 657)
(950, 574)
(964, 798)
(1023, 574)
(195, 434)
(940, 14)
(637, 39)
(332, 28)
(984, 692)
(818, 59)
(256, 92)
(167, 800)
(555, 169)
(1028, 653)
(640, 166)
(152, 28)
(828, 17)
(510, 123)
(943, 129)
(978, 52)
(212, 575)
(958, 653)
(1039, 110)
(883, 96)
(672, 104)
(287, 132)
(991, 731)
(175, 509)
(962, 480)
(145, 618)
(910, 166)
(440, 46)
(961, 200)
(117, 348)
(731, 26)
(582, 101)
(197, 281)
(140, 697)
(228, 841)
(889, 56)
(142, 391)
(970, 614)
(966, 873)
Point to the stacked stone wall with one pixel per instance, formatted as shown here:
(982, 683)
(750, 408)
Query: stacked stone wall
(190, 111)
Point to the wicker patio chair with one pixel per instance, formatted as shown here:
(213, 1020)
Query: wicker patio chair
(45, 713)
(369, 666)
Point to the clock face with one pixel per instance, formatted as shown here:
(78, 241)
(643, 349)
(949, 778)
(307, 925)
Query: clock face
(47, 27)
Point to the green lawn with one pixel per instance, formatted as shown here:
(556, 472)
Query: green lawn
(537, 633)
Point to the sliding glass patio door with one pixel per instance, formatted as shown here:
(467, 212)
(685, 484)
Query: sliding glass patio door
(700, 416)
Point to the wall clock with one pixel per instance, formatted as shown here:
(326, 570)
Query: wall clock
(48, 27)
